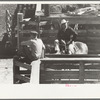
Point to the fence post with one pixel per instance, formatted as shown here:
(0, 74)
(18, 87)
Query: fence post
(35, 72)
(15, 70)
(81, 72)
(19, 28)
(8, 24)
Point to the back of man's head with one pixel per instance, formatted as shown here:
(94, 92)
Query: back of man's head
(34, 34)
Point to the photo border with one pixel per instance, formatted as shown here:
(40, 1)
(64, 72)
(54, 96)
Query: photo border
(50, 92)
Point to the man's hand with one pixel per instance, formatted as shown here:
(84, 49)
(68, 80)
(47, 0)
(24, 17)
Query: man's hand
(63, 42)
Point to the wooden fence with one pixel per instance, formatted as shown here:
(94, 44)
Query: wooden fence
(61, 69)
(21, 71)
(88, 30)
(70, 69)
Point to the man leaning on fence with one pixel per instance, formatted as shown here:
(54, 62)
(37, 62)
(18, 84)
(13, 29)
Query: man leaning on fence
(65, 37)
(36, 47)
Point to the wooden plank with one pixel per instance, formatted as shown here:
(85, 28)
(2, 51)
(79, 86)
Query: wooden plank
(27, 66)
(24, 72)
(60, 82)
(89, 32)
(89, 39)
(93, 44)
(69, 82)
(19, 26)
(50, 31)
(64, 67)
(94, 48)
(94, 51)
(71, 56)
(25, 31)
(93, 38)
(23, 78)
(76, 19)
(92, 67)
(62, 75)
(15, 70)
(60, 67)
(92, 74)
(95, 33)
(28, 22)
(74, 59)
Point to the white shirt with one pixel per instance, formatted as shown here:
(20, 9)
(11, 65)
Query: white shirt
(36, 46)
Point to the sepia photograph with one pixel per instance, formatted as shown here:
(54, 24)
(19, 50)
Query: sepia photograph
(50, 44)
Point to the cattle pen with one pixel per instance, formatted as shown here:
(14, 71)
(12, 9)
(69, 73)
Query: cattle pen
(61, 69)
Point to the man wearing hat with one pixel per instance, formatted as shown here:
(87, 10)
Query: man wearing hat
(36, 47)
(65, 36)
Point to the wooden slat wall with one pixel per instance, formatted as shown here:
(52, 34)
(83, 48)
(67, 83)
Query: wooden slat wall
(90, 34)
(70, 72)
(89, 31)
(21, 71)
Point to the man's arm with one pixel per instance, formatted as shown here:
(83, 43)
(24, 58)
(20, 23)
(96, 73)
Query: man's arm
(72, 36)
(59, 35)
(26, 43)
(43, 46)
(71, 39)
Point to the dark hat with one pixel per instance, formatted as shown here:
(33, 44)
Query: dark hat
(34, 32)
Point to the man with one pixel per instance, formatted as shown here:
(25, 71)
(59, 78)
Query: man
(65, 36)
(36, 46)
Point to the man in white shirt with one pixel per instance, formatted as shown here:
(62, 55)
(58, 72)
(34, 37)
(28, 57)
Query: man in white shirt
(36, 46)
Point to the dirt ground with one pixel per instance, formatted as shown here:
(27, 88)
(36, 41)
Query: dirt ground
(6, 71)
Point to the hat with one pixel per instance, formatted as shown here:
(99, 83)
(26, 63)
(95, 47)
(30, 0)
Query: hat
(64, 21)
(34, 32)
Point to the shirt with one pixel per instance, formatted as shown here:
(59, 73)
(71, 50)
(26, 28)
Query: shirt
(36, 46)
(68, 35)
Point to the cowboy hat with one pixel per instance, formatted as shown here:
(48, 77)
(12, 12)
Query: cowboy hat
(64, 21)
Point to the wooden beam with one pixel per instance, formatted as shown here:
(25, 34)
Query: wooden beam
(81, 72)
(27, 66)
(76, 19)
(74, 59)
(23, 78)
(19, 26)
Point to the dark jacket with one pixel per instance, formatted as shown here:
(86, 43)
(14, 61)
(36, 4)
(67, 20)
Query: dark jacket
(68, 35)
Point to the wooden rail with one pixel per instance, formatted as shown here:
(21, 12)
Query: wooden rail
(70, 70)
(61, 69)
(88, 31)
(75, 19)
(65, 69)
(21, 71)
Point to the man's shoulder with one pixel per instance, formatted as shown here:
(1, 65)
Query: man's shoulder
(37, 40)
